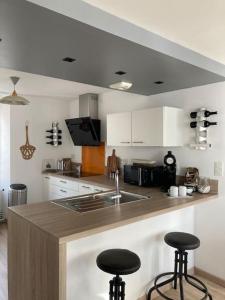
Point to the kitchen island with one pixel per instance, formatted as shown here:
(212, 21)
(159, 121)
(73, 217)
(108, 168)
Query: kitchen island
(52, 250)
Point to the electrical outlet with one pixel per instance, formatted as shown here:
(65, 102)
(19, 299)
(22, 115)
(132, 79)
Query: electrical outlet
(218, 168)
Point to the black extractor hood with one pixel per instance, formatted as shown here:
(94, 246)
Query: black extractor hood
(86, 130)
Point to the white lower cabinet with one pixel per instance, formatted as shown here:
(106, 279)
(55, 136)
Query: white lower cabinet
(46, 188)
(98, 189)
(57, 188)
(85, 189)
(62, 191)
(89, 189)
(53, 196)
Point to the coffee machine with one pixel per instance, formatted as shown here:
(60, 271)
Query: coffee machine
(169, 171)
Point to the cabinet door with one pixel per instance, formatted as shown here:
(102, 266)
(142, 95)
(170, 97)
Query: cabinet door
(65, 183)
(98, 189)
(63, 192)
(147, 127)
(85, 189)
(119, 129)
(174, 125)
(53, 196)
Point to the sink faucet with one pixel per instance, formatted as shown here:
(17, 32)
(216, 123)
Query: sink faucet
(117, 195)
(117, 183)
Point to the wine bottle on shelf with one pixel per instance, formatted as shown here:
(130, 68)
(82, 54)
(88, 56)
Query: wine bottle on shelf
(202, 124)
(54, 143)
(50, 131)
(202, 113)
(54, 131)
(54, 137)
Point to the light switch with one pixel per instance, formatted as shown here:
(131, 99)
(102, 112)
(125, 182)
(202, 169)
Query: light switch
(218, 168)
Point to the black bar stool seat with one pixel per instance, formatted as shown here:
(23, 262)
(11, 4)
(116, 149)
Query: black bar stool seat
(118, 262)
(182, 241)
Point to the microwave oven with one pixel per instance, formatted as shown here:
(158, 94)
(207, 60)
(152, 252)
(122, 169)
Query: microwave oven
(145, 176)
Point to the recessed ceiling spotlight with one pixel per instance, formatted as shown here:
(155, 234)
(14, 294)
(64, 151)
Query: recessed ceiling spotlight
(159, 82)
(69, 59)
(120, 73)
(122, 85)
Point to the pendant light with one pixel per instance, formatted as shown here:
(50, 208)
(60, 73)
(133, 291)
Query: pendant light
(14, 99)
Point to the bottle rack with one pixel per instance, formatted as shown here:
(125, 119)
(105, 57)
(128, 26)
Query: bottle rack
(54, 135)
(201, 123)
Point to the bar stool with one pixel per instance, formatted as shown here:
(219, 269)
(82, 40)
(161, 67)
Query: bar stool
(118, 262)
(181, 241)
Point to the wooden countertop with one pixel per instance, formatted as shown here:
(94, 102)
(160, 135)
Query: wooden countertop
(65, 225)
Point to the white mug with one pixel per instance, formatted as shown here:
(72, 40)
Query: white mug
(173, 191)
(190, 190)
(182, 191)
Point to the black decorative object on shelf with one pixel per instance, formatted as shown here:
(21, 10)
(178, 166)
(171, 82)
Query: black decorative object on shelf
(201, 125)
(169, 171)
(55, 135)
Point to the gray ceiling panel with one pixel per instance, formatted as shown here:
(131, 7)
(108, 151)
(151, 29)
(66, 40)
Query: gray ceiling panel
(35, 40)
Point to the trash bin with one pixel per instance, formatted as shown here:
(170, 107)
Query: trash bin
(17, 194)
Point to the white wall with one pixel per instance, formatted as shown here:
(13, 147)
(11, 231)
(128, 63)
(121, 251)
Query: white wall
(40, 113)
(210, 223)
(147, 242)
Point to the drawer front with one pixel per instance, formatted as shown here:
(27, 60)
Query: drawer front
(53, 196)
(62, 192)
(85, 188)
(47, 179)
(99, 189)
(65, 184)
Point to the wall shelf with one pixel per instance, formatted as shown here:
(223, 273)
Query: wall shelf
(200, 146)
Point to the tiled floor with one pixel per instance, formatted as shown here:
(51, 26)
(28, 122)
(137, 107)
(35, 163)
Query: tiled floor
(217, 291)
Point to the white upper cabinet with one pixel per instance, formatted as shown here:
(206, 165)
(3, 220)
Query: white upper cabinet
(119, 129)
(161, 126)
(173, 126)
(147, 127)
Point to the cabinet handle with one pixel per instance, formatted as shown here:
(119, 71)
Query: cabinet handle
(124, 142)
(86, 187)
(63, 191)
(62, 181)
(138, 142)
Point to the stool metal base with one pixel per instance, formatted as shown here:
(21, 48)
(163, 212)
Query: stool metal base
(116, 288)
(180, 273)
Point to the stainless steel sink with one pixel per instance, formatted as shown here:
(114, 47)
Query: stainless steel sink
(97, 201)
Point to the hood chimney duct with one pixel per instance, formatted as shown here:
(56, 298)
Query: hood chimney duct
(88, 106)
